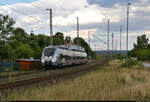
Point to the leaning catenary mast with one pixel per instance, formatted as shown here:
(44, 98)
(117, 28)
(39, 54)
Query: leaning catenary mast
(77, 33)
(51, 27)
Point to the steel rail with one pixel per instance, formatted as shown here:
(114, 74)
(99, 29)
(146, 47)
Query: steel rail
(27, 73)
(12, 85)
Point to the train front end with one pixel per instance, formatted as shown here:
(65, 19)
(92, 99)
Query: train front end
(47, 56)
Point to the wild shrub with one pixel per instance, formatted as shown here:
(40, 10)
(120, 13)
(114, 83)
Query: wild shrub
(129, 63)
(118, 56)
(98, 57)
(143, 54)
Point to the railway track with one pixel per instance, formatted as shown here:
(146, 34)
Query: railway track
(20, 74)
(50, 77)
(28, 73)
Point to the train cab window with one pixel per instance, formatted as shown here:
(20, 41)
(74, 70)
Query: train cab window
(61, 55)
(49, 51)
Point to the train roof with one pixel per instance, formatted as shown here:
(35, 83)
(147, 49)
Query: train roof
(68, 46)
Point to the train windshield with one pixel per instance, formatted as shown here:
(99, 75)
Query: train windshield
(49, 52)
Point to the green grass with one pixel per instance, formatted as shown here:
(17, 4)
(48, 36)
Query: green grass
(129, 63)
(110, 82)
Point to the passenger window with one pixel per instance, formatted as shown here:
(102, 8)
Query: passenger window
(61, 56)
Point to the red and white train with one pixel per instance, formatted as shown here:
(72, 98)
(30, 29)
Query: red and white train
(63, 55)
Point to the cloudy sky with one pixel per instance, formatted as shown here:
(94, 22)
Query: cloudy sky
(93, 15)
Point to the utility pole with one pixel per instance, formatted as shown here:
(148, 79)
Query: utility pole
(51, 27)
(89, 41)
(112, 42)
(120, 36)
(78, 32)
(108, 37)
(89, 37)
(116, 45)
(95, 47)
(72, 31)
(127, 23)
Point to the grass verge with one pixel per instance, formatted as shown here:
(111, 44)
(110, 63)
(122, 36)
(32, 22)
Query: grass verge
(110, 82)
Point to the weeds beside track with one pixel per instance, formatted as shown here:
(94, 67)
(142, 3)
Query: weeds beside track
(51, 77)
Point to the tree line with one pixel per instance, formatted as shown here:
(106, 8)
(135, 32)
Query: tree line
(141, 48)
(15, 43)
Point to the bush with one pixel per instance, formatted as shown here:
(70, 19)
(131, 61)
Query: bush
(6, 52)
(98, 57)
(143, 54)
(37, 53)
(24, 51)
(129, 63)
(118, 56)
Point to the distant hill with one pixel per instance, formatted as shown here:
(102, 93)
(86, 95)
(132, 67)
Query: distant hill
(105, 52)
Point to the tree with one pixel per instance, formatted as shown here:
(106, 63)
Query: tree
(83, 44)
(33, 41)
(6, 27)
(141, 49)
(93, 55)
(142, 42)
(68, 39)
(20, 35)
(58, 38)
(34, 45)
(42, 40)
(6, 51)
(24, 51)
(33, 37)
(37, 53)
(143, 54)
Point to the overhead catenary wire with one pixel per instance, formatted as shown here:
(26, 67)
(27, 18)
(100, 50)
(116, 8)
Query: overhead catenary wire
(93, 41)
(99, 39)
(25, 14)
(33, 17)
(103, 13)
(18, 11)
(35, 6)
(108, 28)
(39, 8)
(54, 13)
